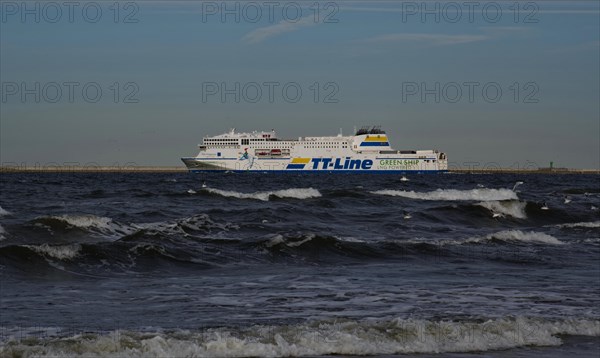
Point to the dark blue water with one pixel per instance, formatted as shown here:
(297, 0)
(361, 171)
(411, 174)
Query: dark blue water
(116, 264)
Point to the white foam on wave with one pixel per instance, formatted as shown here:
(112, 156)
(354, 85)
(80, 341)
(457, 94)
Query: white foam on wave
(349, 239)
(275, 240)
(296, 242)
(506, 236)
(204, 222)
(85, 221)
(592, 224)
(296, 193)
(395, 336)
(61, 252)
(96, 224)
(2, 230)
(591, 240)
(454, 194)
(197, 223)
(3, 212)
(280, 239)
(519, 236)
(512, 208)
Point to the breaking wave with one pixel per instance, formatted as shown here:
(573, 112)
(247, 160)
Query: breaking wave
(344, 337)
(61, 252)
(80, 221)
(92, 224)
(506, 236)
(517, 236)
(295, 193)
(323, 241)
(3, 212)
(198, 223)
(2, 230)
(593, 224)
(512, 208)
(454, 195)
(280, 239)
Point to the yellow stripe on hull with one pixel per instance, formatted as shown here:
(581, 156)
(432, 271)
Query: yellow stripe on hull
(300, 160)
(376, 139)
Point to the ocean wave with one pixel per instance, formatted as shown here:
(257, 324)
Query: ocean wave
(512, 208)
(517, 236)
(147, 249)
(280, 239)
(506, 236)
(328, 248)
(200, 240)
(295, 193)
(182, 240)
(61, 252)
(185, 226)
(454, 194)
(2, 230)
(95, 225)
(593, 224)
(105, 227)
(299, 240)
(82, 221)
(3, 212)
(342, 337)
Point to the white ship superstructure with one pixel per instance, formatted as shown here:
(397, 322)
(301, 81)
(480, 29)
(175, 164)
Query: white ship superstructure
(367, 151)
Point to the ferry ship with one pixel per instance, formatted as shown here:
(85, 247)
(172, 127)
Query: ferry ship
(367, 151)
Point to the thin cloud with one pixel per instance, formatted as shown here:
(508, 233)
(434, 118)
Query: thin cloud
(283, 26)
(371, 9)
(586, 46)
(498, 31)
(434, 39)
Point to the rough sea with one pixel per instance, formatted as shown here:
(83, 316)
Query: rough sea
(156, 265)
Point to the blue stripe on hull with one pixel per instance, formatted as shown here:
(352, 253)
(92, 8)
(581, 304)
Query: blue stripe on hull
(374, 144)
(296, 166)
(325, 171)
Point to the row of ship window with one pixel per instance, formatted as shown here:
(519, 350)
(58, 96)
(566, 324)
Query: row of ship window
(325, 146)
(280, 147)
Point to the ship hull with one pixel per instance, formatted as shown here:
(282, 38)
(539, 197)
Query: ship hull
(375, 165)
(401, 172)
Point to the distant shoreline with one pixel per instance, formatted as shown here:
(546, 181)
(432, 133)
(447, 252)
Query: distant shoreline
(181, 169)
(524, 171)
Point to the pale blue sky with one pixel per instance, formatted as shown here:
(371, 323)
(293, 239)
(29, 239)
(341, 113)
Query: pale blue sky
(372, 54)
